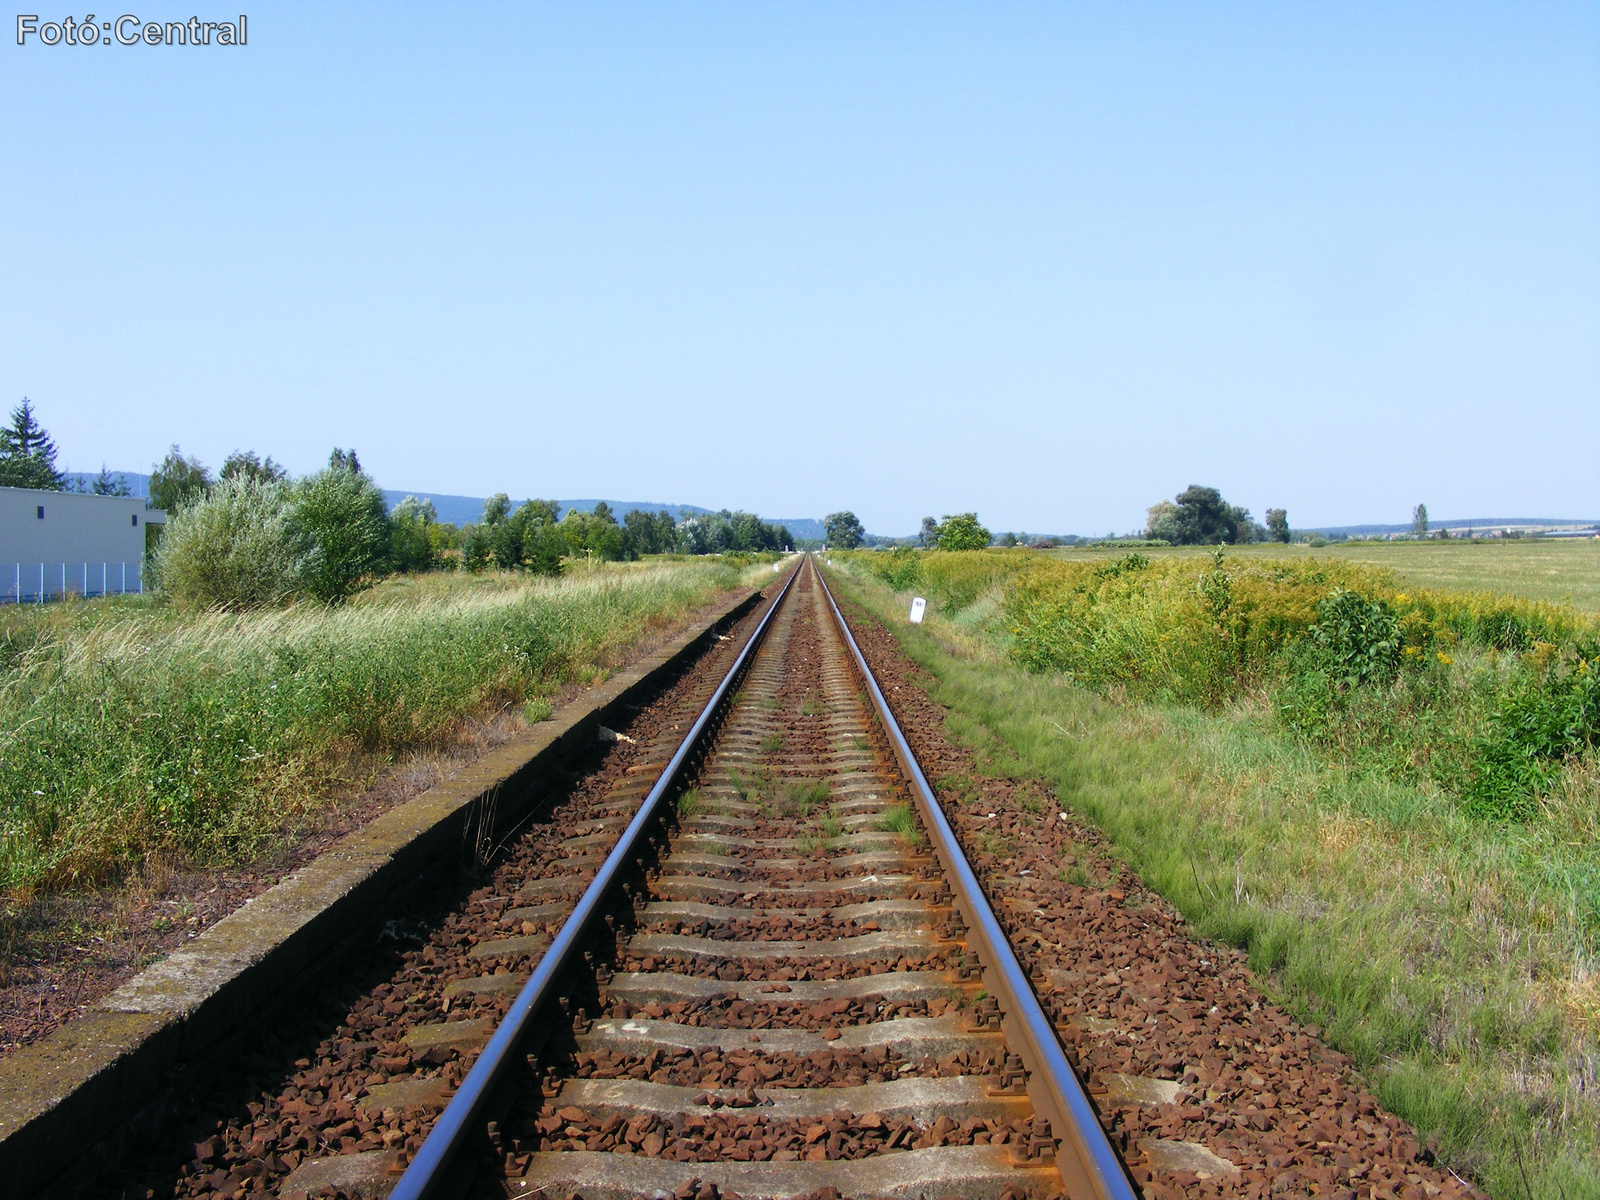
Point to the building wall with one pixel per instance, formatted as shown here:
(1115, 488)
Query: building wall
(75, 530)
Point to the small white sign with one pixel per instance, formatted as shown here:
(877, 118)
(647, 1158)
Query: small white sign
(918, 607)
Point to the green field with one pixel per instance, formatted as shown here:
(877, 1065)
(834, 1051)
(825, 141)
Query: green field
(1340, 827)
(1561, 570)
(130, 727)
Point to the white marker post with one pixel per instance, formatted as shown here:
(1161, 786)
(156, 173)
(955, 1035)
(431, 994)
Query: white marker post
(918, 607)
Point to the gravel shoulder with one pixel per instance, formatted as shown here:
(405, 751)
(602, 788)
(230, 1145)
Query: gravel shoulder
(1178, 1044)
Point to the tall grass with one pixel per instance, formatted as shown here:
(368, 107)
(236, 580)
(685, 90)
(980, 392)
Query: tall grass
(951, 579)
(127, 730)
(1457, 959)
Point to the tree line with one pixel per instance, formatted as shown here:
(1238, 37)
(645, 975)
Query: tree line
(253, 535)
(962, 531)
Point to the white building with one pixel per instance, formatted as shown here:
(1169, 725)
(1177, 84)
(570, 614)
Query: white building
(58, 543)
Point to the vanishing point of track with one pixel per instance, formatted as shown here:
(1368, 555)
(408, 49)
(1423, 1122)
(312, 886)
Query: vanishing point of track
(784, 979)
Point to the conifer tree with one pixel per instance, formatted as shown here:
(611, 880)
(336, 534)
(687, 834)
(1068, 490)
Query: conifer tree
(27, 455)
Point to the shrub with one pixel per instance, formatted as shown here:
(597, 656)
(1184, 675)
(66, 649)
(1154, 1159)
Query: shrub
(1358, 639)
(901, 568)
(1188, 629)
(236, 548)
(1544, 718)
(343, 518)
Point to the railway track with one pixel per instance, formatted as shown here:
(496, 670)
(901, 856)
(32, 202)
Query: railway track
(735, 949)
(779, 979)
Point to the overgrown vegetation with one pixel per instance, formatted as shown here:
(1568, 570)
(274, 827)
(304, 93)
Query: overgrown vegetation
(254, 539)
(951, 580)
(129, 729)
(1390, 796)
(1485, 697)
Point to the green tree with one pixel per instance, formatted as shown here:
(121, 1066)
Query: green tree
(1200, 517)
(703, 533)
(342, 516)
(107, 484)
(963, 532)
(1277, 525)
(27, 455)
(929, 534)
(497, 538)
(243, 464)
(1419, 521)
(652, 534)
(540, 545)
(842, 530)
(1161, 522)
(177, 482)
(543, 547)
(596, 533)
(496, 508)
(411, 542)
(344, 460)
(476, 551)
(1008, 539)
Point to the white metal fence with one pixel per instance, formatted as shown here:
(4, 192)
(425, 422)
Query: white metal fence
(34, 583)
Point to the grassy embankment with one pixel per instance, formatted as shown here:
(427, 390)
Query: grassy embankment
(129, 728)
(1336, 830)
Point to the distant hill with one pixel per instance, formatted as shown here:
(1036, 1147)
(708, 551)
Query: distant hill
(463, 510)
(804, 528)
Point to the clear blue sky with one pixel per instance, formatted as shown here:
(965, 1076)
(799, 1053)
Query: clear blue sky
(1048, 262)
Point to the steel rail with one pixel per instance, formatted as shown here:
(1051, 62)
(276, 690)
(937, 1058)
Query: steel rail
(1091, 1167)
(428, 1170)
